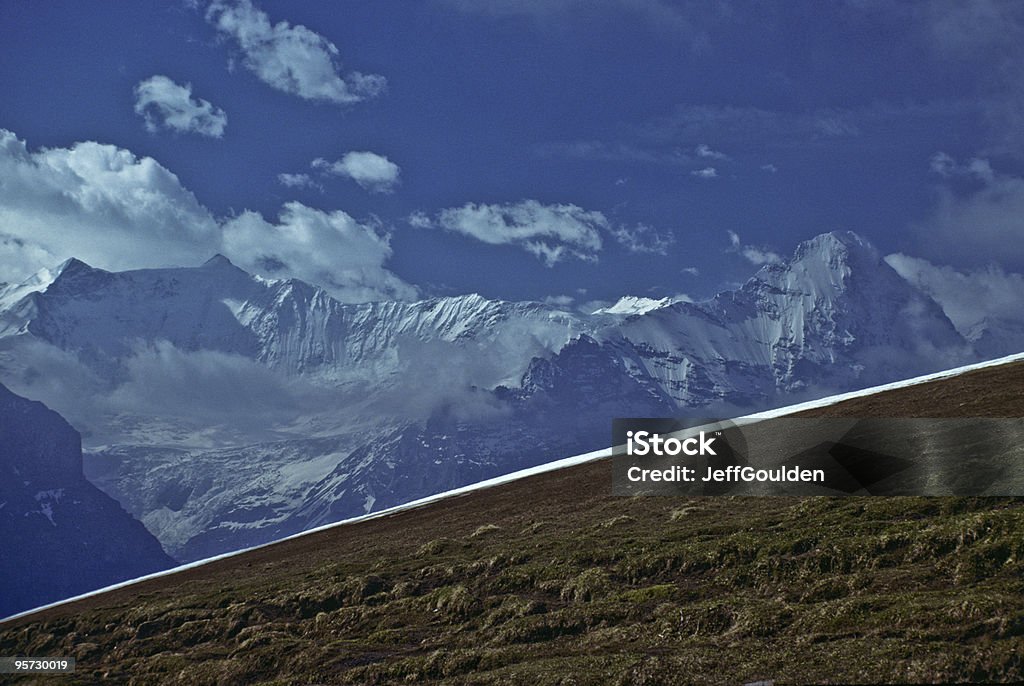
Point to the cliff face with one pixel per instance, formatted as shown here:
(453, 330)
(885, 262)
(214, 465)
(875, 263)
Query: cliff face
(62, 536)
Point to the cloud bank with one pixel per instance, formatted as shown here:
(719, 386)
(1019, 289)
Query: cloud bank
(166, 104)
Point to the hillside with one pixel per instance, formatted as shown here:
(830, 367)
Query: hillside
(551, 580)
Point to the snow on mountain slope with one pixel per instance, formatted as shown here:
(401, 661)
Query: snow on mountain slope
(633, 304)
(226, 410)
(835, 316)
(285, 324)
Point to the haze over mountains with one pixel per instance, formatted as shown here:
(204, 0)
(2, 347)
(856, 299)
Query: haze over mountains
(224, 410)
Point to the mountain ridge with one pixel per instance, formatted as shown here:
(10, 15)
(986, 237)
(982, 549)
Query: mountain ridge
(314, 398)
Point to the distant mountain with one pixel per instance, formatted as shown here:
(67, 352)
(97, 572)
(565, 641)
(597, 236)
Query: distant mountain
(61, 535)
(287, 325)
(224, 410)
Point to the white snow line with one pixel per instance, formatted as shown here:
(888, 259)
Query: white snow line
(524, 473)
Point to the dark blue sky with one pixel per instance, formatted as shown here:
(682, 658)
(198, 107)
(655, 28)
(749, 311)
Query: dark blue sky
(813, 116)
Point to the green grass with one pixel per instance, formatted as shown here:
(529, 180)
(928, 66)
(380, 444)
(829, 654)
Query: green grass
(624, 591)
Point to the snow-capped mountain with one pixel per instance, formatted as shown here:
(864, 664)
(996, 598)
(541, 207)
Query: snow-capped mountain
(633, 304)
(223, 409)
(284, 324)
(62, 535)
(835, 316)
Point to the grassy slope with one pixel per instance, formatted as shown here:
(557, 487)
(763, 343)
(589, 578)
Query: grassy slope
(552, 580)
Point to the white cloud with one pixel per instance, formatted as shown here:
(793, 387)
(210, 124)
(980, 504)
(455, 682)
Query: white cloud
(327, 248)
(705, 173)
(705, 151)
(164, 103)
(692, 271)
(420, 220)
(559, 300)
(945, 166)
(551, 232)
(970, 298)
(643, 239)
(101, 204)
(292, 59)
(978, 224)
(752, 253)
(113, 210)
(770, 168)
(373, 172)
(297, 181)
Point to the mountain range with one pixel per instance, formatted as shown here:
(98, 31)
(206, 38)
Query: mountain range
(225, 410)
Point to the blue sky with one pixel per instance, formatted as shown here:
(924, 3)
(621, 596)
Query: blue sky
(519, 149)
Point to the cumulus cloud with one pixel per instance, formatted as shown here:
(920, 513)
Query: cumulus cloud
(327, 248)
(373, 172)
(297, 181)
(551, 232)
(292, 59)
(101, 204)
(114, 210)
(166, 104)
(970, 298)
(770, 168)
(643, 239)
(752, 253)
(420, 220)
(705, 173)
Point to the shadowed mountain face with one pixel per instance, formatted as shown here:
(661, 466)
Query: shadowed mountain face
(62, 535)
(224, 410)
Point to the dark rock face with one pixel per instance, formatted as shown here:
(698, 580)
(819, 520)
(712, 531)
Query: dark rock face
(62, 536)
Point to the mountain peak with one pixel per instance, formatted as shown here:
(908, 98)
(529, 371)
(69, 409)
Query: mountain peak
(836, 245)
(72, 265)
(635, 304)
(217, 261)
(74, 274)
